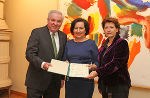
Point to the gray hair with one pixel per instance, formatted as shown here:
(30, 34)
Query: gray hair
(55, 11)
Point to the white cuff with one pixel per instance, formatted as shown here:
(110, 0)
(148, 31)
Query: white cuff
(42, 65)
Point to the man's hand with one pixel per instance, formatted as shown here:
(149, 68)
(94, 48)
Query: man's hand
(46, 65)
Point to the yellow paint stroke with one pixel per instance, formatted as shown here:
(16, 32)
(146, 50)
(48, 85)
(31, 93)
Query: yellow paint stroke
(95, 21)
(116, 9)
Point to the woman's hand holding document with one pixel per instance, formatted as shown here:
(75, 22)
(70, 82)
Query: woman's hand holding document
(69, 69)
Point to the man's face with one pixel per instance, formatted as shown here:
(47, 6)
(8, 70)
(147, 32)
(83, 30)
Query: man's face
(54, 22)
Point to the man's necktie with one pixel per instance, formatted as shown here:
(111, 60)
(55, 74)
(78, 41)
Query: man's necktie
(54, 44)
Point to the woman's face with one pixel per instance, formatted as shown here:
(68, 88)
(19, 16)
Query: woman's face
(110, 30)
(79, 30)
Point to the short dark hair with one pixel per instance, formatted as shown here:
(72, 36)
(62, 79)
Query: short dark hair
(86, 25)
(113, 20)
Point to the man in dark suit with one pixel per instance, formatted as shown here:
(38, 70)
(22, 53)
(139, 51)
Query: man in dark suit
(39, 52)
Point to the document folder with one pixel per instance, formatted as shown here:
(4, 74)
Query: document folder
(69, 69)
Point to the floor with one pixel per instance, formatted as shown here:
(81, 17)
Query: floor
(4, 94)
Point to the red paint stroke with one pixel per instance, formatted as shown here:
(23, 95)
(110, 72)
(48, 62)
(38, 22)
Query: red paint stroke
(91, 24)
(103, 9)
(102, 43)
(135, 49)
(66, 28)
(100, 39)
(91, 1)
(128, 19)
(147, 32)
(84, 4)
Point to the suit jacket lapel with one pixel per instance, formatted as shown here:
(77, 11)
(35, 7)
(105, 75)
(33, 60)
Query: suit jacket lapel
(50, 45)
(60, 43)
(49, 40)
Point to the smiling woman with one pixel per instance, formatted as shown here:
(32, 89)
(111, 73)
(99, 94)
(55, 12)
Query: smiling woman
(80, 28)
(84, 51)
(114, 79)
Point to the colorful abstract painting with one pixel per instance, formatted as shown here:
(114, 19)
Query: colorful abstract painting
(134, 17)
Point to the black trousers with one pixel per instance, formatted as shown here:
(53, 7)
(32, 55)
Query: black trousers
(53, 91)
(115, 91)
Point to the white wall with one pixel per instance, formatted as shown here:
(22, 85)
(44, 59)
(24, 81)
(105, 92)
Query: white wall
(22, 16)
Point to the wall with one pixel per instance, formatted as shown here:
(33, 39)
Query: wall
(22, 16)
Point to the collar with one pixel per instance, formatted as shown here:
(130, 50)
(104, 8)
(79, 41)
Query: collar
(107, 40)
(56, 33)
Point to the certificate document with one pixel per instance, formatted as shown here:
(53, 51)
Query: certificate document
(69, 69)
(59, 67)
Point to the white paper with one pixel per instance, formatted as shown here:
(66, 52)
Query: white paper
(59, 67)
(76, 70)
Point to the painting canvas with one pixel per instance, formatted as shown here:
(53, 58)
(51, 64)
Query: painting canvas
(134, 17)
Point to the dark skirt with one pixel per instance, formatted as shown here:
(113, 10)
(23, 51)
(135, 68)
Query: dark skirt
(79, 88)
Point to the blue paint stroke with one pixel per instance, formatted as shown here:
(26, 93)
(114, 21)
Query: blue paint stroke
(139, 3)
